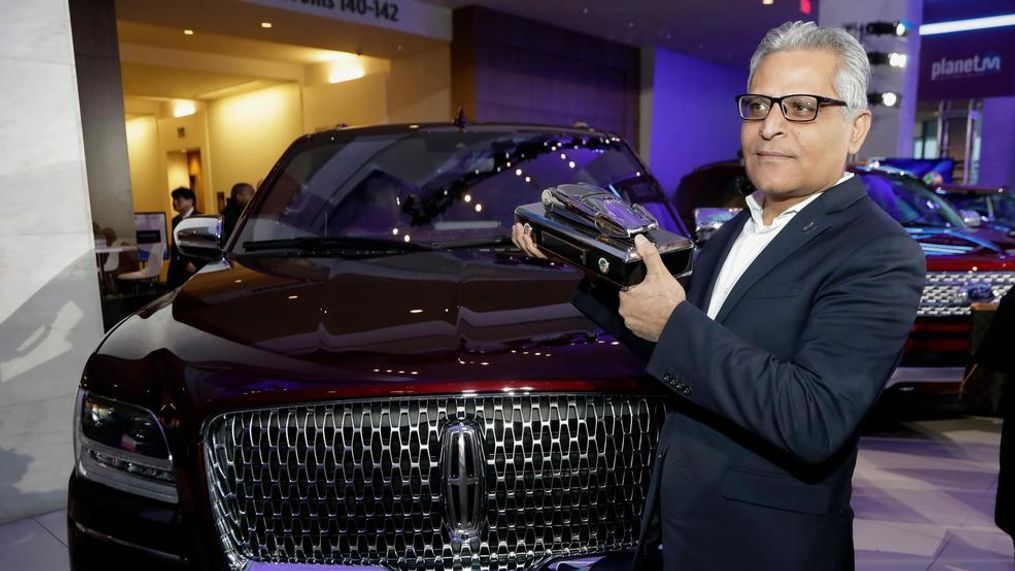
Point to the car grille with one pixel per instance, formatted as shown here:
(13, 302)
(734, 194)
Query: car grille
(950, 293)
(359, 482)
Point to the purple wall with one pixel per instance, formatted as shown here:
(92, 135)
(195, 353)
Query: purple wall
(997, 144)
(694, 120)
(506, 68)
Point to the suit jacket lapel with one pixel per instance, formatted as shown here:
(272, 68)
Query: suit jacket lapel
(804, 227)
(720, 243)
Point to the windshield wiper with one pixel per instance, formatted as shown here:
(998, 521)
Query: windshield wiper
(488, 242)
(336, 246)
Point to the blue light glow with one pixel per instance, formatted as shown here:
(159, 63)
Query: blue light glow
(967, 25)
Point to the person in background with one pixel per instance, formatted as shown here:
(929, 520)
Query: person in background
(180, 266)
(995, 354)
(239, 197)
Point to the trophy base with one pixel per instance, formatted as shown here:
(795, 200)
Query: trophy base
(614, 260)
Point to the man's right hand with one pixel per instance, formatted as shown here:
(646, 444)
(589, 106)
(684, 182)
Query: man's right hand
(523, 239)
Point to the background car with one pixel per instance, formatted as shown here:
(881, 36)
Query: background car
(371, 374)
(964, 264)
(994, 206)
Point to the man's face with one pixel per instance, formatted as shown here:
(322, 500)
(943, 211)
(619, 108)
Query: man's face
(787, 159)
(243, 197)
(182, 205)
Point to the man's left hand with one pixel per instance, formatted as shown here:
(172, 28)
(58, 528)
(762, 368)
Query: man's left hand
(647, 306)
(191, 268)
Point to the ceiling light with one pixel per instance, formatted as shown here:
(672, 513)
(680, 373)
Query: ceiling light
(266, 25)
(886, 29)
(188, 32)
(183, 108)
(887, 98)
(768, 2)
(967, 25)
(894, 59)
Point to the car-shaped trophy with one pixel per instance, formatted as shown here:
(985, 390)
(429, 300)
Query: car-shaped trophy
(594, 230)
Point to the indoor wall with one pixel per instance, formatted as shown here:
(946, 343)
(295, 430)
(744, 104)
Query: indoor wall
(50, 319)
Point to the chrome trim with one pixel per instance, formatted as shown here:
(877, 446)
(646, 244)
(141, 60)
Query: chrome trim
(358, 482)
(926, 375)
(463, 470)
(169, 557)
(949, 294)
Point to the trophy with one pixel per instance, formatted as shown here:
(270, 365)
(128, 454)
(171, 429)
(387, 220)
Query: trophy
(593, 229)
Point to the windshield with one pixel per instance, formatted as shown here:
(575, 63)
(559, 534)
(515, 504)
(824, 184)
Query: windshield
(437, 188)
(1000, 206)
(909, 202)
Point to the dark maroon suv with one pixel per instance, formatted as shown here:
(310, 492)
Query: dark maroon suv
(369, 376)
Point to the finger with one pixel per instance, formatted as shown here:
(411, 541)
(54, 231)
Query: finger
(530, 245)
(650, 255)
(516, 233)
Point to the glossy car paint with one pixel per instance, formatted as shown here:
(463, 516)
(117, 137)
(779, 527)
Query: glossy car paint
(251, 331)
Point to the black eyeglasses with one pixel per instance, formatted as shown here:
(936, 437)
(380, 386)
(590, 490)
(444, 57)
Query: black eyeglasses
(799, 107)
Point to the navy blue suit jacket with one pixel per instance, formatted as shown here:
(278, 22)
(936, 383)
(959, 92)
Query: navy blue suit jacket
(757, 453)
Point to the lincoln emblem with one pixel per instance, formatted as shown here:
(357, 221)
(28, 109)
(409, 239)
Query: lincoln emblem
(463, 471)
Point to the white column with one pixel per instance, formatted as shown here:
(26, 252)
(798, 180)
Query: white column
(50, 317)
(892, 131)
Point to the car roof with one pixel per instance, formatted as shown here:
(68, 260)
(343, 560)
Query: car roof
(403, 128)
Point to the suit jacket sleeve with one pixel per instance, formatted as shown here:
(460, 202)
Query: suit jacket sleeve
(809, 404)
(600, 302)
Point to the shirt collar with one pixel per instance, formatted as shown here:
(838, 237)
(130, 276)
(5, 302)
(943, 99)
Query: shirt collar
(756, 200)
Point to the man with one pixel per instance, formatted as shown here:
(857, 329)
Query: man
(180, 266)
(994, 355)
(796, 314)
(239, 197)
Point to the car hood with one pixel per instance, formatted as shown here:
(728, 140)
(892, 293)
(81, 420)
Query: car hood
(420, 322)
(945, 246)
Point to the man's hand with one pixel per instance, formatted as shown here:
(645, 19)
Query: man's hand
(191, 268)
(523, 239)
(647, 306)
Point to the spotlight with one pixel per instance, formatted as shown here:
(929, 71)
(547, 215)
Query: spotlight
(887, 29)
(888, 99)
(894, 59)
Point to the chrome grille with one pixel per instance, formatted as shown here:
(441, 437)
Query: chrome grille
(947, 293)
(359, 482)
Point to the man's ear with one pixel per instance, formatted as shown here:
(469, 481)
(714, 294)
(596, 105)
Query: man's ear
(858, 133)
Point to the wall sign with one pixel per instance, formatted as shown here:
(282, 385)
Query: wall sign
(409, 16)
(973, 64)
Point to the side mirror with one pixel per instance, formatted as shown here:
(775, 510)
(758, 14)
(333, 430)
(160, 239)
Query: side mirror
(971, 218)
(708, 220)
(199, 237)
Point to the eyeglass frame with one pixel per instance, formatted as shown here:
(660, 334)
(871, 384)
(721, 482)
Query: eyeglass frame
(821, 99)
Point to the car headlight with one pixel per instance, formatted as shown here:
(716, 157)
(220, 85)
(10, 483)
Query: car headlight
(122, 446)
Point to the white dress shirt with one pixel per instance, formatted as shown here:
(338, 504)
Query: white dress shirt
(753, 238)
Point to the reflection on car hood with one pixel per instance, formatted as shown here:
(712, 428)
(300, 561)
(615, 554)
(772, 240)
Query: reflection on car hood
(949, 242)
(264, 324)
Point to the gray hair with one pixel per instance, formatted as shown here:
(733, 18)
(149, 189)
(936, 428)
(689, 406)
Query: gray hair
(854, 69)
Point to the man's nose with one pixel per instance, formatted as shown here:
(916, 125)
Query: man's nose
(773, 125)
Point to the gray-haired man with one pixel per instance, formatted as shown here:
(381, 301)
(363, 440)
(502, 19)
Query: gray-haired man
(793, 321)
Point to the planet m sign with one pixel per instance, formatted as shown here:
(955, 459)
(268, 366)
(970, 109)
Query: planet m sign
(955, 68)
(967, 65)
